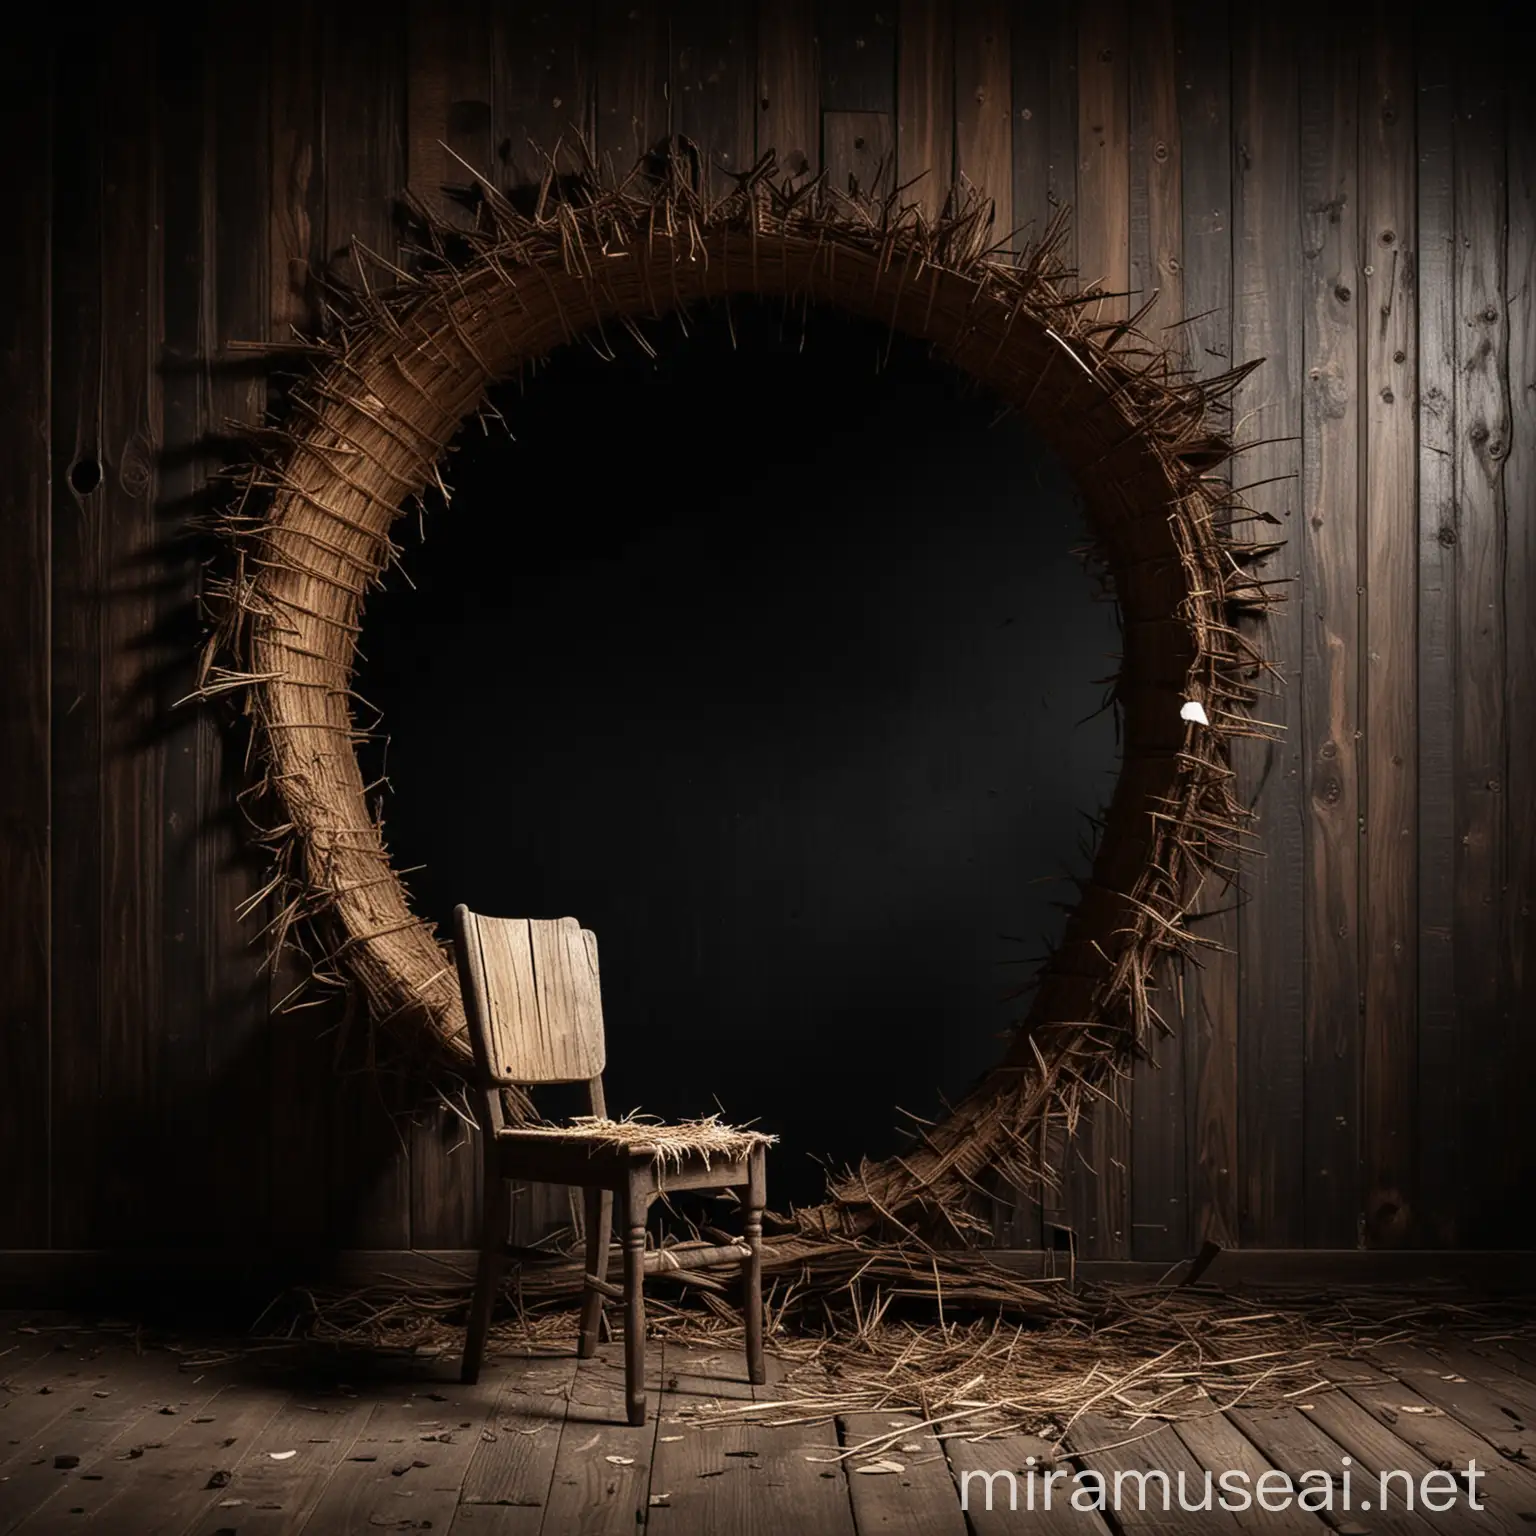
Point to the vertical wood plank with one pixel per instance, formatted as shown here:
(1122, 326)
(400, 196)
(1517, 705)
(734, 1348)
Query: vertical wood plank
(541, 90)
(925, 103)
(188, 1024)
(1159, 1151)
(448, 107)
(1031, 108)
(1389, 515)
(860, 152)
(302, 1086)
(1101, 1192)
(234, 994)
(789, 85)
(1480, 639)
(1441, 1062)
(713, 75)
(77, 698)
(856, 42)
(1062, 29)
(1208, 1016)
(364, 159)
(1520, 607)
(630, 106)
(984, 109)
(1057, 29)
(448, 104)
(1103, 125)
(1331, 640)
(26, 116)
(1267, 314)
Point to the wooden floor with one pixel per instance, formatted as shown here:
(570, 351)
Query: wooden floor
(96, 1434)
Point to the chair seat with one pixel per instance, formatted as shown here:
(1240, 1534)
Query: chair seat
(686, 1141)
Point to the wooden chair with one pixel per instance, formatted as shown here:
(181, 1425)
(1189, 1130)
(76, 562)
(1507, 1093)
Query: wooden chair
(534, 1006)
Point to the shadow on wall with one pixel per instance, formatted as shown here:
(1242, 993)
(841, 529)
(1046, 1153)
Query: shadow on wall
(773, 663)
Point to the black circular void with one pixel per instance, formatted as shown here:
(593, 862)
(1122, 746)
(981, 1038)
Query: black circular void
(777, 665)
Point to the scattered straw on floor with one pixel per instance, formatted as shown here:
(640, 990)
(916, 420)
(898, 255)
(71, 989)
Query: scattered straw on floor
(1140, 1353)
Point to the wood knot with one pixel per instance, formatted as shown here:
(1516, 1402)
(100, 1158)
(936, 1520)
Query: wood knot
(1342, 294)
(1446, 535)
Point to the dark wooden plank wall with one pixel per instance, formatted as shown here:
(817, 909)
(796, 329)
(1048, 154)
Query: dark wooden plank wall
(1348, 194)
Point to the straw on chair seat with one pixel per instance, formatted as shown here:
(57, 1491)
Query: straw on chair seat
(670, 1145)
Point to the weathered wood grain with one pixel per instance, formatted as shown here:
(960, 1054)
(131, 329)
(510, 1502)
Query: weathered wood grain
(1294, 1442)
(1389, 951)
(920, 1498)
(448, 104)
(1480, 754)
(1520, 602)
(856, 48)
(925, 102)
(364, 85)
(541, 89)
(1159, 1156)
(1267, 323)
(196, 837)
(1440, 1058)
(859, 151)
(1100, 1184)
(77, 693)
(1103, 153)
(1330, 680)
(300, 1060)
(1035, 1496)
(1031, 119)
(589, 1494)
(1208, 1012)
(983, 63)
(631, 107)
(507, 1483)
(714, 74)
(789, 85)
(26, 112)
(1220, 1447)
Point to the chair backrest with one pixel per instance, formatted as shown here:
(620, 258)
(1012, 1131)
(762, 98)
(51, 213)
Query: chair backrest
(531, 996)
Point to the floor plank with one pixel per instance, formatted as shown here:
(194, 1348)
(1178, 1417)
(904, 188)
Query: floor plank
(96, 1405)
(507, 1483)
(921, 1498)
(1376, 1450)
(1220, 1446)
(279, 1490)
(1497, 1415)
(149, 1486)
(1001, 1514)
(1293, 1442)
(410, 1460)
(602, 1469)
(741, 1476)
(1433, 1433)
(1121, 1454)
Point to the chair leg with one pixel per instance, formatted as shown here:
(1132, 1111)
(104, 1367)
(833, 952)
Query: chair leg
(633, 1222)
(752, 1270)
(599, 1223)
(493, 1242)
